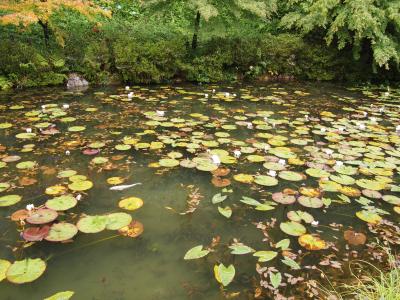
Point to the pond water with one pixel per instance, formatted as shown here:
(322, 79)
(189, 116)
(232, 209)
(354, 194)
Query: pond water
(318, 164)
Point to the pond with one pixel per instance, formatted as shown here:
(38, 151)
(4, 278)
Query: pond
(279, 186)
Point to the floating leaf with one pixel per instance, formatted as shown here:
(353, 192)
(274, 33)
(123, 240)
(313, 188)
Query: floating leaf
(369, 217)
(133, 230)
(81, 185)
(244, 178)
(291, 263)
(196, 252)
(355, 238)
(265, 180)
(60, 232)
(9, 200)
(264, 256)
(276, 279)
(283, 244)
(4, 265)
(42, 216)
(61, 203)
(225, 211)
(310, 202)
(61, 296)
(292, 228)
(240, 249)
(291, 176)
(92, 224)
(35, 234)
(168, 162)
(27, 270)
(312, 242)
(116, 221)
(218, 198)
(131, 203)
(224, 274)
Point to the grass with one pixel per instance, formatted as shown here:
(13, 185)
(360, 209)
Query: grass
(373, 284)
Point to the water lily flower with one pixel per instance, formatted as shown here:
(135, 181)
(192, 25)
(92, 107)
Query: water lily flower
(65, 106)
(361, 126)
(271, 173)
(30, 207)
(213, 90)
(339, 163)
(382, 109)
(29, 130)
(282, 162)
(160, 113)
(234, 95)
(341, 129)
(249, 125)
(237, 153)
(323, 129)
(306, 117)
(127, 88)
(78, 197)
(373, 119)
(215, 159)
(329, 151)
(44, 106)
(266, 148)
(206, 95)
(130, 95)
(314, 223)
(386, 94)
(227, 94)
(398, 128)
(67, 152)
(273, 125)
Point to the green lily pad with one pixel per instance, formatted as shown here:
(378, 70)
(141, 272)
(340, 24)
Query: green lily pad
(392, 199)
(225, 211)
(81, 185)
(61, 203)
(217, 198)
(345, 170)
(292, 228)
(92, 224)
(27, 270)
(283, 198)
(276, 279)
(60, 232)
(26, 165)
(265, 180)
(311, 202)
(371, 184)
(66, 295)
(264, 256)
(4, 265)
(168, 162)
(4, 186)
(9, 200)
(298, 216)
(291, 176)
(240, 249)
(76, 128)
(369, 217)
(25, 135)
(196, 252)
(118, 220)
(66, 173)
(225, 274)
(313, 172)
(100, 160)
(42, 216)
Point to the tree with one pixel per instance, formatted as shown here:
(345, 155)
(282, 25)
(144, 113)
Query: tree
(27, 12)
(351, 22)
(211, 9)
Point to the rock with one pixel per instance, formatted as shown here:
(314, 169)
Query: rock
(76, 81)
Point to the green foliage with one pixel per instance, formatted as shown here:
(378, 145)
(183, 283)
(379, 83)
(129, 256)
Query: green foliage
(352, 22)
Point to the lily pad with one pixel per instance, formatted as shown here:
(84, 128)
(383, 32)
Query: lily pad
(61, 203)
(168, 162)
(369, 217)
(196, 252)
(27, 270)
(133, 230)
(9, 200)
(310, 202)
(61, 232)
(264, 256)
(225, 211)
(35, 234)
(292, 228)
(42, 216)
(312, 242)
(116, 221)
(131, 203)
(224, 275)
(4, 265)
(82, 185)
(240, 249)
(283, 198)
(265, 180)
(92, 224)
(66, 295)
(291, 176)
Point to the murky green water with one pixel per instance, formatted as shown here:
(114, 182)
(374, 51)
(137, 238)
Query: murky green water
(252, 119)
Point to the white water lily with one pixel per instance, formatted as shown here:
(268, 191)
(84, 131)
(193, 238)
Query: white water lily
(398, 128)
(306, 117)
(234, 95)
(65, 106)
(213, 90)
(339, 163)
(271, 173)
(273, 125)
(30, 207)
(373, 119)
(266, 148)
(323, 129)
(386, 94)
(78, 197)
(282, 162)
(382, 109)
(67, 152)
(342, 129)
(130, 95)
(160, 113)
(237, 153)
(215, 159)
(29, 130)
(227, 94)
(329, 151)
(127, 88)
(206, 95)
(249, 125)
(314, 223)
(361, 126)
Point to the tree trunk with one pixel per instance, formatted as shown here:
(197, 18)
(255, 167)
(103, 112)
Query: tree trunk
(46, 32)
(196, 31)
